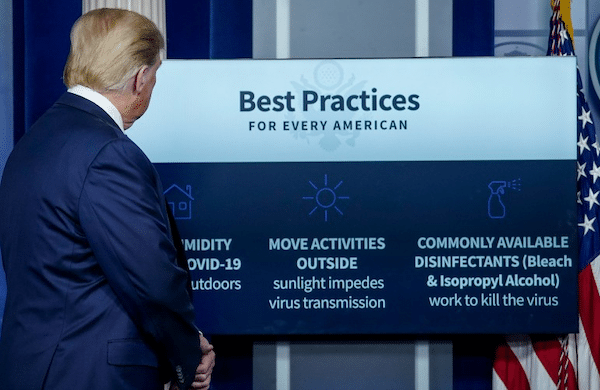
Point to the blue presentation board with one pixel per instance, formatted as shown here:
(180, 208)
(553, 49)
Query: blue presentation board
(385, 196)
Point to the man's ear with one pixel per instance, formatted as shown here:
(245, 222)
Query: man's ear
(141, 79)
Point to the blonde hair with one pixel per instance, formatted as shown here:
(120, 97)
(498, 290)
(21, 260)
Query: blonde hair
(108, 47)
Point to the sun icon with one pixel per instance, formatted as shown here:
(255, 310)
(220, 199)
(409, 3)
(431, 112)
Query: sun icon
(326, 198)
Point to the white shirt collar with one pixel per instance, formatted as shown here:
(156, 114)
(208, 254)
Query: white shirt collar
(101, 101)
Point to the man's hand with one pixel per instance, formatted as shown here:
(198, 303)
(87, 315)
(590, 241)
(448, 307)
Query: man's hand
(204, 370)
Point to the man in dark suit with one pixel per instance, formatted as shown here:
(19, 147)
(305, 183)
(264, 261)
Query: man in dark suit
(95, 299)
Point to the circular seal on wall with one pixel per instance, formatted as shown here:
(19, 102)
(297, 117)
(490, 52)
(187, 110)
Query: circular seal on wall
(594, 58)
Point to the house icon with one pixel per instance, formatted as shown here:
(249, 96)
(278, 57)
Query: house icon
(180, 201)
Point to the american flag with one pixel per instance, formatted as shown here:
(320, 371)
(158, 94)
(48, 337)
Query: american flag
(569, 362)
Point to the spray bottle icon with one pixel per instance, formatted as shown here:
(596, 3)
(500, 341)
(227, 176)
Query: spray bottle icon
(496, 208)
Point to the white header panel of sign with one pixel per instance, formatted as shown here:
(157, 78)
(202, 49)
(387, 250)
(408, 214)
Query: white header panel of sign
(453, 109)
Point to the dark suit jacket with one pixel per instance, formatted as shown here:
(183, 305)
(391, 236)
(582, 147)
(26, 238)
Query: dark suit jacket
(95, 299)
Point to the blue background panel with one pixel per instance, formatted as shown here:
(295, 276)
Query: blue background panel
(395, 203)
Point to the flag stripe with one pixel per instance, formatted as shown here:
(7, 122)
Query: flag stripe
(589, 299)
(587, 373)
(572, 355)
(546, 352)
(497, 382)
(509, 370)
(588, 294)
(535, 371)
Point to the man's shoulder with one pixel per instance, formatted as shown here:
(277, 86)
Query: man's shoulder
(78, 120)
(73, 130)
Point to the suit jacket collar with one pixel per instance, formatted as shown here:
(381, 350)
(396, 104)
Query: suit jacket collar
(81, 103)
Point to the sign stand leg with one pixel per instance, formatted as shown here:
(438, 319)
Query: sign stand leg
(421, 365)
(282, 365)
